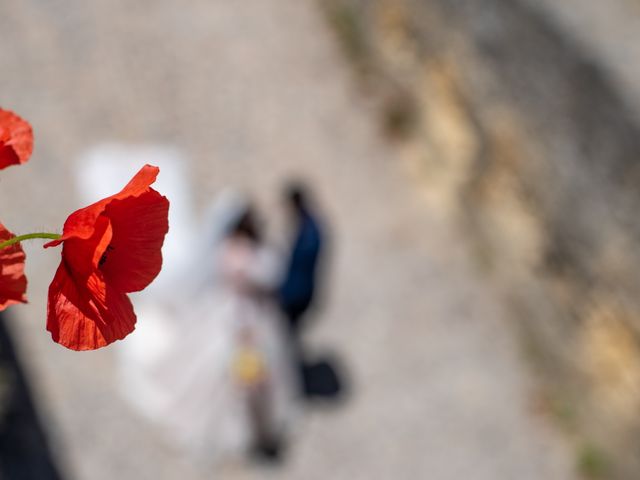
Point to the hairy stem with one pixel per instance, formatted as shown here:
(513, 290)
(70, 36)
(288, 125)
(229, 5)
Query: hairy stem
(29, 236)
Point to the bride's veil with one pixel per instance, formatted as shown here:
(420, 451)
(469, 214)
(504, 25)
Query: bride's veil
(219, 218)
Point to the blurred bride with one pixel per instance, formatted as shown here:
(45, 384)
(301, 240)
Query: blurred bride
(208, 362)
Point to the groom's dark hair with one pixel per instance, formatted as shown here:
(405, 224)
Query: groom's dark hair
(296, 193)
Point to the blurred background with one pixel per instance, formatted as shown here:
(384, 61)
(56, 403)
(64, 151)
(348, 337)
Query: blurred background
(475, 163)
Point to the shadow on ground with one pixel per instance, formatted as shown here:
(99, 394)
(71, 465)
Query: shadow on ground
(24, 451)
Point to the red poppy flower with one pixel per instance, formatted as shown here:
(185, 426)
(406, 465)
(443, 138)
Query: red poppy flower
(16, 139)
(110, 248)
(13, 283)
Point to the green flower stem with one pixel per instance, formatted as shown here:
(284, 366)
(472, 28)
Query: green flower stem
(29, 236)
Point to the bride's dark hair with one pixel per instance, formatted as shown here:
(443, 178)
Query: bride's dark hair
(247, 226)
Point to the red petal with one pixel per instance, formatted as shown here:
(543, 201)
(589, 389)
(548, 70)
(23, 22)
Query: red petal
(87, 316)
(139, 183)
(13, 282)
(83, 256)
(7, 156)
(139, 226)
(81, 223)
(16, 139)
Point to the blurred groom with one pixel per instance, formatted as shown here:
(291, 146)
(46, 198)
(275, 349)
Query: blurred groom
(296, 292)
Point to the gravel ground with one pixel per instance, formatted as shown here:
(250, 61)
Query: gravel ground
(251, 91)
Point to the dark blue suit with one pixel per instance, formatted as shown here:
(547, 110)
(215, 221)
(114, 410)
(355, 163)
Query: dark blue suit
(297, 289)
